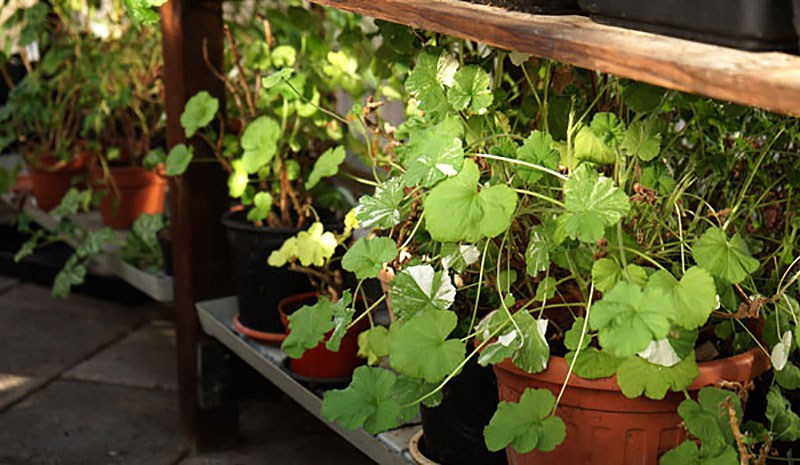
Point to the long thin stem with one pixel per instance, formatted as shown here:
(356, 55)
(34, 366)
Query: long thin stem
(522, 163)
(577, 349)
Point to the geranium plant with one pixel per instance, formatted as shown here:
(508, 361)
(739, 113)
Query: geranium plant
(634, 232)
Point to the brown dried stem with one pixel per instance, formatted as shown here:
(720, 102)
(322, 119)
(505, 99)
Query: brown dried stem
(237, 60)
(228, 84)
(744, 454)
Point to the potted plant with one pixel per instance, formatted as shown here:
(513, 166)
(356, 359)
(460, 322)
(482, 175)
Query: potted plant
(127, 128)
(607, 273)
(44, 111)
(282, 139)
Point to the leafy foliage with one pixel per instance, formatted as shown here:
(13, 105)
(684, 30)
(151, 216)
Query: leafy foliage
(420, 347)
(592, 205)
(526, 425)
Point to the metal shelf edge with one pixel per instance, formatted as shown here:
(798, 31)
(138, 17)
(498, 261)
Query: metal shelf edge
(215, 318)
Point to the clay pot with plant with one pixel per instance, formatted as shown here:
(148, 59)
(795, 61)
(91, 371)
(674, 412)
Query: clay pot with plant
(629, 281)
(129, 130)
(45, 111)
(282, 141)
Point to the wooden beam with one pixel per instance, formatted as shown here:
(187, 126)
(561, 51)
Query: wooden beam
(768, 80)
(197, 201)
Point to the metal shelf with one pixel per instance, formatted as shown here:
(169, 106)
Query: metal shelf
(158, 286)
(216, 316)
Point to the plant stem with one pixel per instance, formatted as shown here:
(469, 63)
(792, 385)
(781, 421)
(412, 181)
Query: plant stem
(577, 349)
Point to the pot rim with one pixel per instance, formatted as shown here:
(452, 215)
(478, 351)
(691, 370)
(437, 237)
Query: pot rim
(416, 454)
(708, 372)
(229, 221)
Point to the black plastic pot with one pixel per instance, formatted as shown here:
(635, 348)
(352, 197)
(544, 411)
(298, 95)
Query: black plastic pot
(745, 24)
(259, 287)
(534, 6)
(164, 237)
(453, 431)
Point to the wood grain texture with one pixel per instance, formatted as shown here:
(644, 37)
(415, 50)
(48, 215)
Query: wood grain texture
(769, 80)
(197, 200)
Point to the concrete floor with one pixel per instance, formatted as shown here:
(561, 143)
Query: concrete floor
(85, 382)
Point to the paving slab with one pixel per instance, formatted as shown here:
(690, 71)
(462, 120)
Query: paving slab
(145, 359)
(80, 423)
(41, 337)
(278, 431)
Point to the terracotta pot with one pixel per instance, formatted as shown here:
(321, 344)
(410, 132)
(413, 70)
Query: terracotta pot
(320, 363)
(597, 414)
(139, 192)
(52, 178)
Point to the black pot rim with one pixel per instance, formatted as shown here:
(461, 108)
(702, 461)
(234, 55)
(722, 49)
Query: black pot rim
(230, 220)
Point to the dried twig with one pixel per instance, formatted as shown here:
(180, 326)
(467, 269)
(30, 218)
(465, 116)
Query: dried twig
(228, 84)
(237, 61)
(744, 454)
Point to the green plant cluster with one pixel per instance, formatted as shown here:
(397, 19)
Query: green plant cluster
(541, 210)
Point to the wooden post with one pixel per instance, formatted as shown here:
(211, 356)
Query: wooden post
(197, 200)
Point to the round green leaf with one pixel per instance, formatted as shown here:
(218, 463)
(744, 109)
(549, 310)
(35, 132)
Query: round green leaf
(199, 111)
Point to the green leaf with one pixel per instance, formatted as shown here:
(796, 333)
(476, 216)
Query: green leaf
(262, 205)
(237, 181)
(326, 165)
(409, 390)
(708, 419)
(418, 289)
(73, 201)
(426, 81)
(540, 246)
(593, 203)
(374, 344)
(526, 425)
(642, 139)
(593, 363)
(367, 256)
(724, 259)
(342, 316)
(538, 150)
(199, 112)
(784, 423)
(315, 246)
(545, 290)
(789, 377)
(259, 142)
(309, 324)
(608, 128)
(636, 376)
(367, 402)
(470, 90)
(381, 210)
(573, 335)
(455, 210)
(93, 242)
(146, 227)
(153, 158)
(606, 273)
(420, 347)
(591, 148)
(686, 453)
(277, 77)
(434, 153)
(72, 274)
(178, 160)
(506, 346)
(459, 257)
(695, 296)
(627, 319)
(641, 97)
(657, 177)
(534, 353)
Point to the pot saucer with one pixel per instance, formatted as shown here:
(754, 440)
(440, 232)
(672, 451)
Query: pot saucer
(273, 339)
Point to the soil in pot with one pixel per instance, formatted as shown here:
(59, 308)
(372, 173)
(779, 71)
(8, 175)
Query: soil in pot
(319, 363)
(746, 24)
(597, 413)
(260, 287)
(138, 192)
(454, 429)
(52, 178)
(534, 6)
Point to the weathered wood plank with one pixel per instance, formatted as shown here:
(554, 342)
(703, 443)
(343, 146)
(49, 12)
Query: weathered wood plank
(768, 80)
